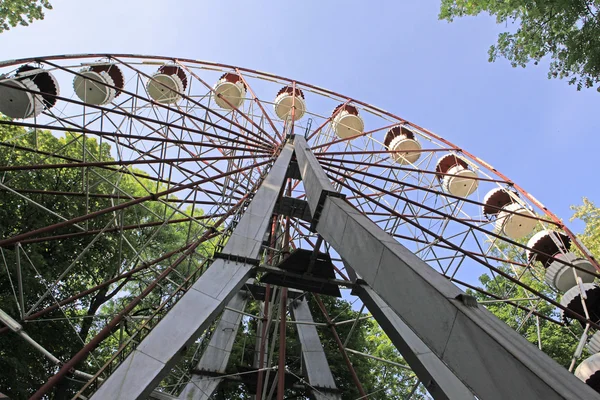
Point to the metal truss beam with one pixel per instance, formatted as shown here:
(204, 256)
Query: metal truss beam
(315, 362)
(437, 378)
(216, 356)
(490, 358)
(145, 367)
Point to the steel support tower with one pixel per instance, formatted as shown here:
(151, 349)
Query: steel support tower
(457, 348)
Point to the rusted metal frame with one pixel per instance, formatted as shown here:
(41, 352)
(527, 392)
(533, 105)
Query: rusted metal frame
(94, 342)
(120, 163)
(504, 178)
(339, 271)
(282, 344)
(238, 182)
(514, 304)
(257, 101)
(283, 302)
(81, 218)
(14, 146)
(129, 196)
(305, 237)
(179, 167)
(491, 267)
(433, 191)
(38, 205)
(218, 146)
(139, 97)
(140, 155)
(340, 140)
(395, 167)
(118, 112)
(106, 196)
(328, 120)
(340, 346)
(196, 103)
(125, 275)
(266, 322)
(461, 255)
(180, 288)
(450, 217)
(122, 135)
(360, 152)
(29, 149)
(264, 326)
(116, 197)
(115, 229)
(227, 101)
(129, 146)
(421, 216)
(220, 149)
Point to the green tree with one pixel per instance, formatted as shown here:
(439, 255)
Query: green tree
(557, 341)
(21, 12)
(568, 31)
(590, 215)
(63, 332)
(381, 380)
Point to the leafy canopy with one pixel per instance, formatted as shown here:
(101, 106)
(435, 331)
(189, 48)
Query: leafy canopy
(64, 331)
(21, 12)
(566, 30)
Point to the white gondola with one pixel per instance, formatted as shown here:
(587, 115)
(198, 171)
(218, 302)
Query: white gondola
(167, 85)
(455, 175)
(93, 84)
(589, 371)
(562, 276)
(285, 99)
(230, 91)
(594, 343)
(571, 300)
(347, 122)
(401, 141)
(512, 218)
(29, 92)
(547, 243)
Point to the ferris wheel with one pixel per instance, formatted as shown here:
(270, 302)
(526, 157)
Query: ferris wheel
(226, 195)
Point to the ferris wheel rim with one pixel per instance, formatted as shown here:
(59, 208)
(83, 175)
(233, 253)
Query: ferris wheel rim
(320, 91)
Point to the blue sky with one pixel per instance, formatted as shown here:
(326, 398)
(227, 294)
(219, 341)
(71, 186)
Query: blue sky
(541, 133)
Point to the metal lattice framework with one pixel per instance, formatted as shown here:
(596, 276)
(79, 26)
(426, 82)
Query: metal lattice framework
(194, 161)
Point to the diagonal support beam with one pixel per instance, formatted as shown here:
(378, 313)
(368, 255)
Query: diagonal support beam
(147, 365)
(216, 356)
(313, 178)
(490, 358)
(439, 381)
(317, 367)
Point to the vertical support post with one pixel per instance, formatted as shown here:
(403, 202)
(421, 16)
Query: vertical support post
(262, 329)
(338, 341)
(282, 344)
(483, 352)
(313, 355)
(145, 366)
(216, 356)
(20, 280)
